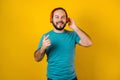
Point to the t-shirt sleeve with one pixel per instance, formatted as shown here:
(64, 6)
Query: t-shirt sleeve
(40, 43)
(77, 38)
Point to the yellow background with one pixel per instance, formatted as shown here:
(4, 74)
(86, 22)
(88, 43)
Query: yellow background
(22, 22)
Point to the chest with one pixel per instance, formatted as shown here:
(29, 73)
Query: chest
(62, 42)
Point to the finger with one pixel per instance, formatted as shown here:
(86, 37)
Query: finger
(46, 37)
(49, 44)
(47, 40)
(43, 37)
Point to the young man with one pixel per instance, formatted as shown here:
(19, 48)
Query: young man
(59, 46)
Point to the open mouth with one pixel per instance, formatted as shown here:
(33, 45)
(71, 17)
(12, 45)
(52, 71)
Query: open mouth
(59, 25)
(60, 22)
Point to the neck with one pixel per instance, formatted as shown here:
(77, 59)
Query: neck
(58, 31)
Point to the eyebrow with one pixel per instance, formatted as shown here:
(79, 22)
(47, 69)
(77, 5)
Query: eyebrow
(58, 15)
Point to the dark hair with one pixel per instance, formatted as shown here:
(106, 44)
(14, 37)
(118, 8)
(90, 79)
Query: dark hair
(58, 8)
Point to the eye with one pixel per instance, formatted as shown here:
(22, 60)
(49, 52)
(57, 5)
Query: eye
(63, 17)
(56, 16)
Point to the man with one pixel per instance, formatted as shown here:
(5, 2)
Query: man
(59, 46)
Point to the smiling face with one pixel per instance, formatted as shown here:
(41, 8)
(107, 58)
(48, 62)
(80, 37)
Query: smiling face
(59, 19)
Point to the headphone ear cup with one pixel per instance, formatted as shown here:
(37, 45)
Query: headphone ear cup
(51, 17)
(68, 20)
(50, 20)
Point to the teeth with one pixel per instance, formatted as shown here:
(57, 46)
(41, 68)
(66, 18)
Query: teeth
(59, 25)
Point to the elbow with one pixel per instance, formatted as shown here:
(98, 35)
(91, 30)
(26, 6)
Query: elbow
(38, 60)
(86, 44)
(37, 57)
(89, 44)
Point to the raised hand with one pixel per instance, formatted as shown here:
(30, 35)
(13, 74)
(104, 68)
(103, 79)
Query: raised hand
(72, 24)
(46, 42)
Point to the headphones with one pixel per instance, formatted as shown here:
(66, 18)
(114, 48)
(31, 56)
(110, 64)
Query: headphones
(59, 8)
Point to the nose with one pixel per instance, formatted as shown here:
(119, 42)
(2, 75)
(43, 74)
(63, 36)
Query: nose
(60, 19)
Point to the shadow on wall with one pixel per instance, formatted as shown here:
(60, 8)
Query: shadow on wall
(85, 56)
(101, 60)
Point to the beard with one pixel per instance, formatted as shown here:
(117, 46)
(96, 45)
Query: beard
(60, 27)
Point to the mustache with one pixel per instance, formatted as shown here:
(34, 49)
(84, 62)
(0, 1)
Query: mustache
(60, 22)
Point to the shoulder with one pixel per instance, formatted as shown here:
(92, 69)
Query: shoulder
(69, 32)
(47, 33)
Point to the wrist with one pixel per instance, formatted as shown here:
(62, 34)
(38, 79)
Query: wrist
(43, 47)
(75, 28)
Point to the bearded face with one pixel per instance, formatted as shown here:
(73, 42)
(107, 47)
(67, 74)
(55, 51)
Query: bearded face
(59, 20)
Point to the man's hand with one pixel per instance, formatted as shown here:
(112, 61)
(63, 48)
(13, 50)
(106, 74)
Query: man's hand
(72, 24)
(46, 42)
(85, 39)
(39, 54)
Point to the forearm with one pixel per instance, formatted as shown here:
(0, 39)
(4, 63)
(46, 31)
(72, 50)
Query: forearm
(85, 39)
(39, 54)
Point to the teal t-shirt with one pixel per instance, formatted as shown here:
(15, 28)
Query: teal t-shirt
(61, 54)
